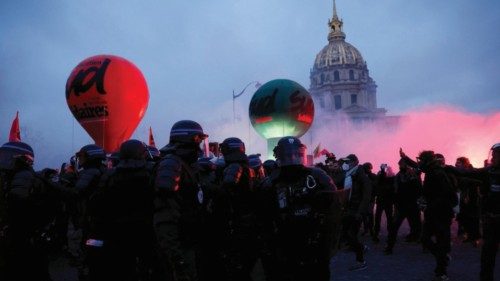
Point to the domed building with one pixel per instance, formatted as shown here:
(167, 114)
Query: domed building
(341, 85)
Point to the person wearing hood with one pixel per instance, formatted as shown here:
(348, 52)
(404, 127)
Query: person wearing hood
(440, 199)
(469, 214)
(121, 235)
(179, 200)
(358, 205)
(368, 219)
(407, 190)
(384, 194)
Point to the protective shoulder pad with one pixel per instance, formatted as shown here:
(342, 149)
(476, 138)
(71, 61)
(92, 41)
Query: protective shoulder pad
(168, 175)
(266, 184)
(86, 178)
(232, 174)
(106, 177)
(21, 184)
(324, 180)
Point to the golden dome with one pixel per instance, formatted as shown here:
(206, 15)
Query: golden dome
(338, 52)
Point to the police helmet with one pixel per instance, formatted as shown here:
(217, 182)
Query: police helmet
(16, 151)
(254, 161)
(232, 145)
(153, 153)
(133, 149)
(187, 131)
(290, 151)
(92, 151)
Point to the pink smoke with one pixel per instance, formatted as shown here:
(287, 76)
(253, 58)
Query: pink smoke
(446, 130)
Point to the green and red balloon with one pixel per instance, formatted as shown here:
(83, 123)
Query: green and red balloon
(281, 108)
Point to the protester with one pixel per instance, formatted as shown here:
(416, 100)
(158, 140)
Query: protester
(490, 209)
(469, 213)
(440, 199)
(384, 194)
(358, 206)
(407, 189)
(368, 219)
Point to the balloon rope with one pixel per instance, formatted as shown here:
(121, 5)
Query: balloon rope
(104, 134)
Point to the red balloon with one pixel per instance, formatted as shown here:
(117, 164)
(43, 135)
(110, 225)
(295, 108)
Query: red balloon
(108, 95)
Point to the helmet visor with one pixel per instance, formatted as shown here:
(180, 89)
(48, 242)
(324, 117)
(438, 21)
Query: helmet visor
(292, 156)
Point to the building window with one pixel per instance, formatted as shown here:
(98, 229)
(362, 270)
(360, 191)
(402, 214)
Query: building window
(351, 75)
(322, 102)
(338, 102)
(336, 76)
(322, 78)
(354, 99)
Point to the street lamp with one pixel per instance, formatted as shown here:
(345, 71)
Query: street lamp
(257, 85)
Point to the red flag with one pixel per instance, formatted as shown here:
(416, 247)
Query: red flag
(316, 151)
(324, 152)
(151, 138)
(15, 132)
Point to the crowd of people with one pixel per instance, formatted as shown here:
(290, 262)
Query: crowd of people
(177, 214)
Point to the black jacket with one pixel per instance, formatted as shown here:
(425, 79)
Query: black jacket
(178, 195)
(360, 197)
(31, 203)
(407, 188)
(490, 187)
(121, 210)
(385, 188)
(439, 192)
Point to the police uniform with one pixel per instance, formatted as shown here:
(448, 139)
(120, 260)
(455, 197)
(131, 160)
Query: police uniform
(298, 217)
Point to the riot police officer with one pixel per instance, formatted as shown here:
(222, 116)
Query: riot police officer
(256, 164)
(211, 262)
(178, 201)
(241, 207)
(297, 216)
(90, 167)
(29, 209)
(269, 167)
(90, 161)
(121, 235)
